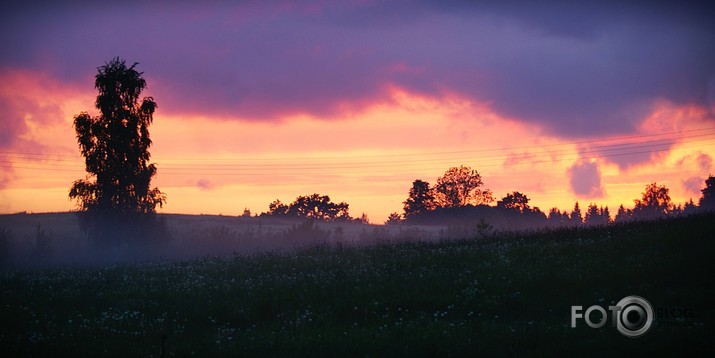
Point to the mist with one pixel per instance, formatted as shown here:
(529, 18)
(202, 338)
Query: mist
(50, 240)
(56, 240)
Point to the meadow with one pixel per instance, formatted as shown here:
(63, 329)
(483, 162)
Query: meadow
(506, 294)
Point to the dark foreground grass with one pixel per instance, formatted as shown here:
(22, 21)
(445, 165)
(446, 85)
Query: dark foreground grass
(510, 296)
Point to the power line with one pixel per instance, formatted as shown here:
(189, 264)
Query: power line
(381, 169)
(708, 130)
(402, 164)
(599, 150)
(37, 156)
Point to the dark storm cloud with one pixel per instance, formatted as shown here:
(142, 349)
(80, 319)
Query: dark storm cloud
(578, 70)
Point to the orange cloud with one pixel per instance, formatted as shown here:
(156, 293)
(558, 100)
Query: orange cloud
(367, 158)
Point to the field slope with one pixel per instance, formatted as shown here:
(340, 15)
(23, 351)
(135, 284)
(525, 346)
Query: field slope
(506, 295)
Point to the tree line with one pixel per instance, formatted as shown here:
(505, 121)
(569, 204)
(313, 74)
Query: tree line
(459, 193)
(655, 202)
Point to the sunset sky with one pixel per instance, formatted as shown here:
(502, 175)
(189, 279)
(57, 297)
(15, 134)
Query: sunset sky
(270, 100)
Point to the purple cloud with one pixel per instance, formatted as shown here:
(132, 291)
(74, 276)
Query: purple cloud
(585, 180)
(12, 122)
(204, 184)
(13, 125)
(578, 70)
(627, 154)
(693, 185)
(703, 161)
(14, 108)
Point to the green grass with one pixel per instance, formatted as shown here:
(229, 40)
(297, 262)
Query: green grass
(508, 295)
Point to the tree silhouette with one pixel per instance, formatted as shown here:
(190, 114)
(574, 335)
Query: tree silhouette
(623, 215)
(596, 215)
(363, 219)
(314, 207)
(576, 217)
(605, 215)
(707, 200)
(116, 149)
(319, 207)
(558, 218)
(394, 218)
(689, 207)
(459, 187)
(277, 208)
(419, 201)
(654, 203)
(515, 201)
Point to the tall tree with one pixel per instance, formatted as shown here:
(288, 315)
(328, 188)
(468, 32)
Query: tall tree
(420, 199)
(115, 146)
(460, 186)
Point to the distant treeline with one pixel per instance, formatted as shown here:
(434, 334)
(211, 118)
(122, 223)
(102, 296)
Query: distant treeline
(458, 197)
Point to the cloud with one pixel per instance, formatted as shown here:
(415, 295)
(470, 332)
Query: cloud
(705, 162)
(693, 185)
(628, 153)
(204, 184)
(702, 161)
(585, 179)
(667, 127)
(29, 106)
(7, 173)
(14, 108)
(12, 121)
(575, 69)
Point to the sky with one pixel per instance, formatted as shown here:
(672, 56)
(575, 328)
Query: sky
(563, 101)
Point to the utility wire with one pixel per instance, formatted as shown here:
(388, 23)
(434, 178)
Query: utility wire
(707, 131)
(338, 171)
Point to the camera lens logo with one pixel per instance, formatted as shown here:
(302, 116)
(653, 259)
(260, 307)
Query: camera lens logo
(634, 317)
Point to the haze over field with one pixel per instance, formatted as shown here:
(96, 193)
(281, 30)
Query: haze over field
(258, 101)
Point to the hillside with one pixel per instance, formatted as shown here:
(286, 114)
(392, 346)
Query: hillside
(506, 295)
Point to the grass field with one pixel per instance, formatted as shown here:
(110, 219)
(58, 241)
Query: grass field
(506, 295)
